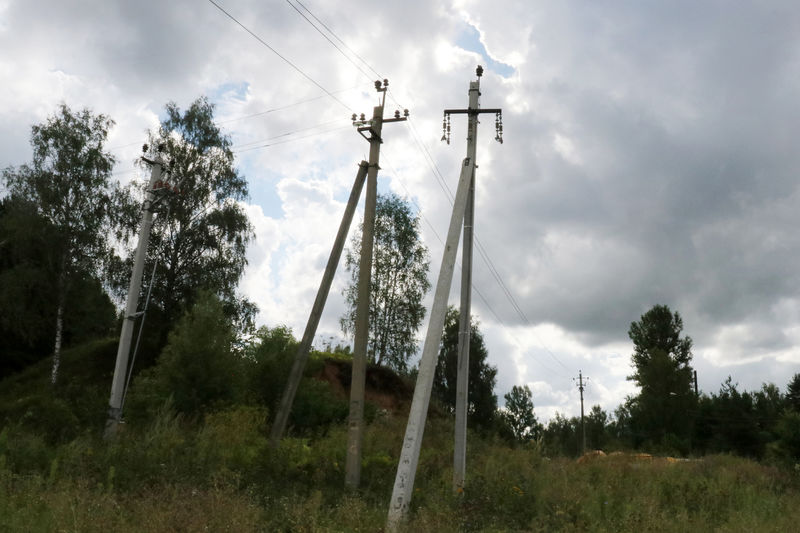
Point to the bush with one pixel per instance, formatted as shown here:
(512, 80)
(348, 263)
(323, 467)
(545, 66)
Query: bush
(51, 418)
(316, 407)
(197, 367)
(270, 359)
(23, 452)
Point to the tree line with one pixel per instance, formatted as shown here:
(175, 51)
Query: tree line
(66, 230)
(667, 416)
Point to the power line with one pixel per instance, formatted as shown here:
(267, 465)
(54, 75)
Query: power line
(239, 146)
(290, 140)
(260, 113)
(326, 37)
(288, 62)
(341, 41)
(287, 106)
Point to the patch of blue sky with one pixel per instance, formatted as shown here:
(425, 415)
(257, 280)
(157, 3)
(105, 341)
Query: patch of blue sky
(229, 91)
(470, 39)
(262, 184)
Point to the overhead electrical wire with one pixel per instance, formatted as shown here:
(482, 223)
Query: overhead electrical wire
(287, 61)
(290, 140)
(287, 106)
(326, 37)
(220, 122)
(238, 147)
(340, 40)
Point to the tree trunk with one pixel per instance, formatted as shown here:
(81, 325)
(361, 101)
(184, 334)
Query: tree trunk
(59, 331)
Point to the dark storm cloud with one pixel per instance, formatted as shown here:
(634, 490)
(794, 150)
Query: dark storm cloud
(684, 190)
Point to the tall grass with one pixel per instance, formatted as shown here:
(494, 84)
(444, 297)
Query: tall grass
(220, 475)
(216, 472)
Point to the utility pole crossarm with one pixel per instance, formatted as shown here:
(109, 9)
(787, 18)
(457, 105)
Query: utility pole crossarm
(472, 111)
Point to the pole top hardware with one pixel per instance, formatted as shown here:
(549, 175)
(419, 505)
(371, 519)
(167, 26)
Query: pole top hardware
(363, 124)
(378, 85)
(498, 121)
(162, 186)
(498, 113)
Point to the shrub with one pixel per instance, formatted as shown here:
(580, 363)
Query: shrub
(316, 407)
(197, 367)
(270, 359)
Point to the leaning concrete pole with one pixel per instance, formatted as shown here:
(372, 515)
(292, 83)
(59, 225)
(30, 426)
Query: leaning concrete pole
(409, 455)
(301, 358)
(464, 329)
(123, 351)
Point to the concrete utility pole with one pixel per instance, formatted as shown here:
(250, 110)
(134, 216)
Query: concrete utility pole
(301, 358)
(464, 330)
(132, 302)
(355, 425)
(581, 386)
(409, 455)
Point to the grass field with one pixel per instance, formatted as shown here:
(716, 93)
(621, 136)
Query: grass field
(218, 474)
(221, 476)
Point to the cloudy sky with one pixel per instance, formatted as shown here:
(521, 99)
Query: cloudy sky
(650, 156)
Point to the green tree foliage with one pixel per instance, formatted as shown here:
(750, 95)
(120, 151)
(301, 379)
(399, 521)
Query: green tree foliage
(661, 360)
(271, 352)
(793, 393)
(787, 430)
(739, 422)
(399, 281)
(519, 415)
(27, 314)
(482, 402)
(597, 435)
(270, 355)
(658, 329)
(197, 368)
(68, 187)
(561, 436)
(199, 240)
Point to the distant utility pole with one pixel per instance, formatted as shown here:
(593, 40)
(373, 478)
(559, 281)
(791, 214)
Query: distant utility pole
(695, 383)
(581, 386)
(409, 455)
(132, 302)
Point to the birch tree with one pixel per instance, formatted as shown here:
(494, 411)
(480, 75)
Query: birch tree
(399, 281)
(69, 184)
